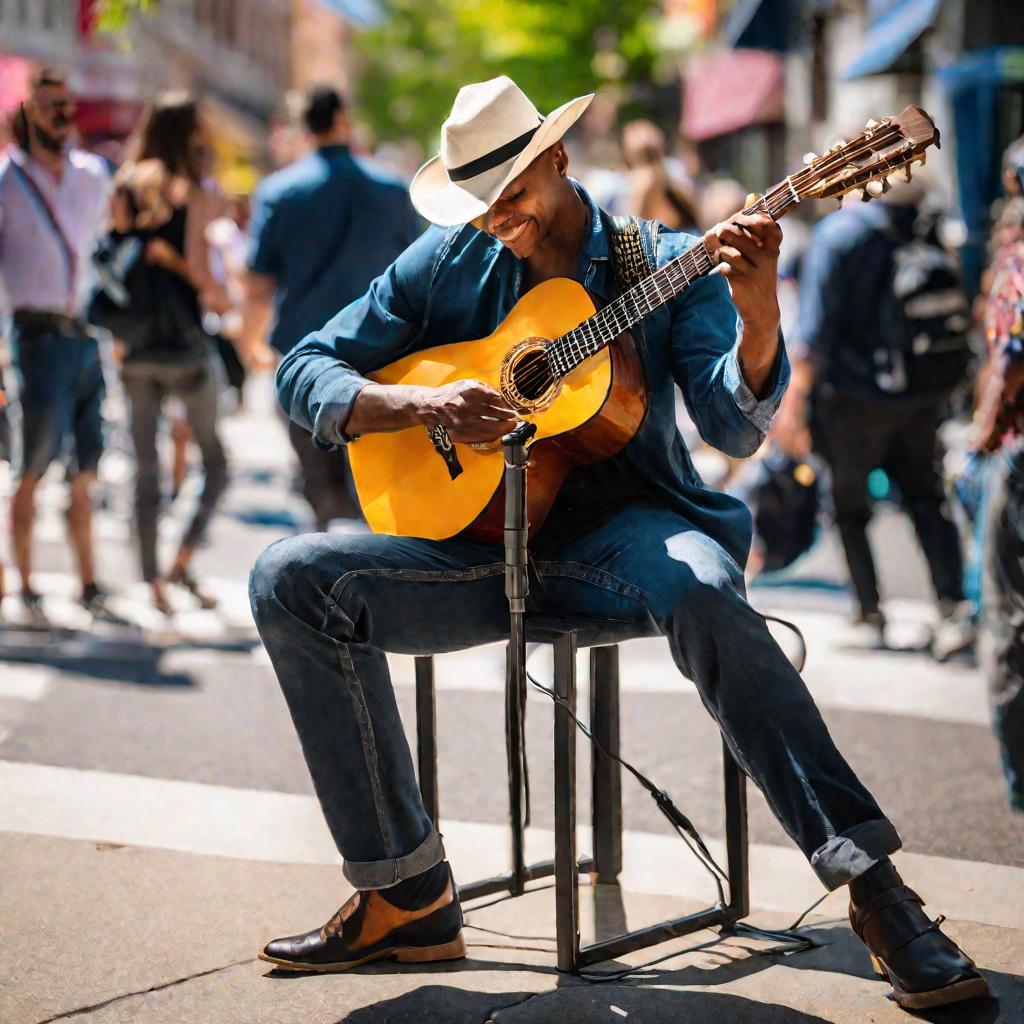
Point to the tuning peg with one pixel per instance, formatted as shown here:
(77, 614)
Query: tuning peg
(872, 124)
(907, 173)
(836, 146)
(809, 158)
(920, 161)
(876, 188)
(865, 195)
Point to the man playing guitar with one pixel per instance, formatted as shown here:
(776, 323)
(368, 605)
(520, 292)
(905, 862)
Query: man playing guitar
(636, 537)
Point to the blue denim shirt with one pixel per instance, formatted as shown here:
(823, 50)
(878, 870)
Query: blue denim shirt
(459, 284)
(324, 227)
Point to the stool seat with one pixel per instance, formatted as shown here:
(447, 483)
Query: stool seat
(589, 631)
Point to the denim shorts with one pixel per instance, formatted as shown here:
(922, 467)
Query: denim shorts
(61, 389)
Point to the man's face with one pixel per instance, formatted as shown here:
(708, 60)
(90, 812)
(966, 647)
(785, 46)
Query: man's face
(50, 113)
(521, 217)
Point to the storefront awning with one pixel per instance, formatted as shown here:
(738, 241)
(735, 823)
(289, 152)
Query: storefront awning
(892, 32)
(732, 89)
(770, 24)
(759, 25)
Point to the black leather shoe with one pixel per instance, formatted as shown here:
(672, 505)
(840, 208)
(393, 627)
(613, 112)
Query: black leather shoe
(369, 928)
(924, 967)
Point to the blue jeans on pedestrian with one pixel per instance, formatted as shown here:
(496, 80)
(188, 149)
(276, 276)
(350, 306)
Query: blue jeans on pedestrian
(328, 606)
(60, 389)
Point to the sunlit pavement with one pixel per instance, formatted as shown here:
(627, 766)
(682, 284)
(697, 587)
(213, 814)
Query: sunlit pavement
(157, 822)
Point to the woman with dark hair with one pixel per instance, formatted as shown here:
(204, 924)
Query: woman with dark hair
(161, 199)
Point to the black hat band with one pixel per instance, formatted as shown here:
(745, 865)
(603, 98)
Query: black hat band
(493, 159)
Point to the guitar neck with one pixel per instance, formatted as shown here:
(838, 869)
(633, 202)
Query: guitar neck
(595, 333)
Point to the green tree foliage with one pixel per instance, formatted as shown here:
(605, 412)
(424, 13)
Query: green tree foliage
(409, 68)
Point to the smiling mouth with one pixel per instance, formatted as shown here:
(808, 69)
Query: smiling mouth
(508, 235)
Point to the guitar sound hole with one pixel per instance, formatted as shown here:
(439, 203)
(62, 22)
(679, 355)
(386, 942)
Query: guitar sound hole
(532, 376)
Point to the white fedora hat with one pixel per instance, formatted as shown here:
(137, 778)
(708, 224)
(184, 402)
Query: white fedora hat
(490, 137)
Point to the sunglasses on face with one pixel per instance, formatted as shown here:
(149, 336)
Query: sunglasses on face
(55, 105)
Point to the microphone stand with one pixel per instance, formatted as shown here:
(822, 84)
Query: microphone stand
(517, 588)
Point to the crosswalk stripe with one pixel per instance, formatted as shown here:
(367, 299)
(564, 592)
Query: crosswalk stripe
(23, 682)
(258, 825)
(850, 681)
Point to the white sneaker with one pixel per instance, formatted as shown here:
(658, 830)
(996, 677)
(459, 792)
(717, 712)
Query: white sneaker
(956, 631)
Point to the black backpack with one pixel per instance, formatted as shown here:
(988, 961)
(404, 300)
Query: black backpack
(784, 502)
(925, 318)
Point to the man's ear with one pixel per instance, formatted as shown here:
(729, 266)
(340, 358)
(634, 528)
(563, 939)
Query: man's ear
(561, 159)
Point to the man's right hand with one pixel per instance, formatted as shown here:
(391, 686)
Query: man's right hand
(472, 412)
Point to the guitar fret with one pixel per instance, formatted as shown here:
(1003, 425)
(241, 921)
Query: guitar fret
(629, 308)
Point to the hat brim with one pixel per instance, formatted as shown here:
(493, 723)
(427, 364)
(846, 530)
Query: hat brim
(446, 203)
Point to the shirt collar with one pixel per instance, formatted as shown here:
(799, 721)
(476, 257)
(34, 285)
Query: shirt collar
(594, 264)
(593, 267)
(28, 162)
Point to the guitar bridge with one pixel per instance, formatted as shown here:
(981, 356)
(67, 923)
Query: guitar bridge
(445, 447)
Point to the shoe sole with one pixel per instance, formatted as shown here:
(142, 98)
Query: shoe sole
(454, 950)
(969, 988)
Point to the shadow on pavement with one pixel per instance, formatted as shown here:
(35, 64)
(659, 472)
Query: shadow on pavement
(577, 1003)
(116, 660)
(657, 994)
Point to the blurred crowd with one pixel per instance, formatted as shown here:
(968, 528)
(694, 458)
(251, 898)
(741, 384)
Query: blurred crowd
(140, 296)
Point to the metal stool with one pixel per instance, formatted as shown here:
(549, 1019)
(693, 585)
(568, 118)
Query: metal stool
(566, 635)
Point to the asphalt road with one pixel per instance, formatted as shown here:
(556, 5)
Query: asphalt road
(203, 706)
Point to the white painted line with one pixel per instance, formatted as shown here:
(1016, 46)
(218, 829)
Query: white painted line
(265, 826)
(23, 682)
(889, 683)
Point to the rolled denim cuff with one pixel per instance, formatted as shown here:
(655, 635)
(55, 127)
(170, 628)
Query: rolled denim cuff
(381, 874)
(759, 411)
(334, 411)
(852, 852)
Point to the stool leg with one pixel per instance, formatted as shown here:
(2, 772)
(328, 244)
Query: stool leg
(606, 775)
(426, 736)
(567, 915)
(736, 834)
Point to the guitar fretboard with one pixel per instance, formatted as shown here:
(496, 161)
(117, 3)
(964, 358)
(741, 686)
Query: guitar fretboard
(564, 354)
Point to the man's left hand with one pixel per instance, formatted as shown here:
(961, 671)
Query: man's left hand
(748, 249)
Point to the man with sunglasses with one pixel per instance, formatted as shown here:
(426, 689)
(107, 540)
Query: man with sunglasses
(53, 204)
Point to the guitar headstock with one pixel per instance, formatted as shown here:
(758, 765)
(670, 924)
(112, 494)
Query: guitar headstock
(886, 147)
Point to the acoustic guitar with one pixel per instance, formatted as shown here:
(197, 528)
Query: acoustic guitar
(572, 369)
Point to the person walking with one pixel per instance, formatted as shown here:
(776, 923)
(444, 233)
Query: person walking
(160, 199)
(53, 202)
(322, 229)
(658, 189)
(999, 438)
(879, 386)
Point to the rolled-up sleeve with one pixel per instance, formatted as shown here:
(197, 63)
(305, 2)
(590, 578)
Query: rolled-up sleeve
(319, 379)
(706, 334)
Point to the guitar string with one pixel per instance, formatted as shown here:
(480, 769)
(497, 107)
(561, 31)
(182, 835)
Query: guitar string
(617, 317)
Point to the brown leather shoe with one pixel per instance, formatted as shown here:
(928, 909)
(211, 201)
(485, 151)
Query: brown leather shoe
(367, 928)
(924, 967)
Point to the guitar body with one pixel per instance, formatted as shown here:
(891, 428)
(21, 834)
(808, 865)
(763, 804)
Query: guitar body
(404, 484)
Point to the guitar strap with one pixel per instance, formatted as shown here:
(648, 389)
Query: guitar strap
(629, 257)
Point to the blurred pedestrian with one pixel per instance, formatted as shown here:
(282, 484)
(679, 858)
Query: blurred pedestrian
(160, 200)
(999, 433)
(322, 229)
(884, 359)
(53, 201)
(658, 188)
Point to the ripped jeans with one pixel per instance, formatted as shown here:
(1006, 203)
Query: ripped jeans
(328, 606)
